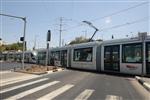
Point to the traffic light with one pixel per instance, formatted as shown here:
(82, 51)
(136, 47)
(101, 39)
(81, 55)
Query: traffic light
(21, 38)
(49, 35)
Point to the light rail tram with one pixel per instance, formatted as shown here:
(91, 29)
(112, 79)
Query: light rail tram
(129, 55)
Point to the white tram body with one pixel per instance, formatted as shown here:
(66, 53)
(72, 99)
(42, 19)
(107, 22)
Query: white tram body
(59, 56)
(83, 56)
(41, 56)
(30, 57)
(126, 55)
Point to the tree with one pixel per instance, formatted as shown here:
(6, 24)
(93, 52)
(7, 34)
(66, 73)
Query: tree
(78, 40)
(14, 46)
(2, 48)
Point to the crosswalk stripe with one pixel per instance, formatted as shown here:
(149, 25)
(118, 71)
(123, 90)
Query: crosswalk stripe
(25, 93)
(55, 93)
(113, 97)
(23, 85)
(4, 72)
(85, 94)
(15, 80)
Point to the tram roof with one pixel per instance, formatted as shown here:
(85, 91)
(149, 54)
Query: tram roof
(87, 44)
(126, 40)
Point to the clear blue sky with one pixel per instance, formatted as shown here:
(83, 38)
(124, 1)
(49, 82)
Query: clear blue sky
(44, 14)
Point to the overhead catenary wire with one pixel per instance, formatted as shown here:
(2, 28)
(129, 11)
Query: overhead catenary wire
(61, 24)
(120, 11)
(109, 15)
(125, 24)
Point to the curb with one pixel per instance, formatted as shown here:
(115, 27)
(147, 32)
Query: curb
(141, 81)
(34, 73)
(40, 73)
(51, 71)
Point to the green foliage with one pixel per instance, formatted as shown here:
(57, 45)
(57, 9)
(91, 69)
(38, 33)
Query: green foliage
(14, 46)
(2, 48)
(79, 40)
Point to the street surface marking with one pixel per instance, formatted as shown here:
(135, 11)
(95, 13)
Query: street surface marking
(4, 72)
(146, 84)
(55, 93)
(113, 97)
(15, 80)
(25, 93)
(84, 95)
(23, 85)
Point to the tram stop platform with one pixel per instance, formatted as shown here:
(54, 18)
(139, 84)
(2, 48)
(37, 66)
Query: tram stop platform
(145, 81)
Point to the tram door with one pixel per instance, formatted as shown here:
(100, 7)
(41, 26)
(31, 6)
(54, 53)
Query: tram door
(112, 58)
(148, 58)
(64, 58)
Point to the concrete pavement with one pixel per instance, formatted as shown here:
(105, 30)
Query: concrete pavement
(9, 77)
(73, 84)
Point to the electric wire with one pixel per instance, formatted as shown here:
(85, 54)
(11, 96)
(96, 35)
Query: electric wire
(125, 24)
(118, 12)
(109, 15)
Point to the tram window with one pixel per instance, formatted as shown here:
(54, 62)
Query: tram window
(56, 55)
(41, 55)
(148, 56)
(107, 54)
(148, 52)
(132, 53)
(84, 54)
(32, 55)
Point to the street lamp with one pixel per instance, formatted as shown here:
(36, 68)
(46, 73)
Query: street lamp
(91, 25)
(24, 33)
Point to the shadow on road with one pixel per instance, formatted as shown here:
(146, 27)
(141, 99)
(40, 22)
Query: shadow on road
(105, 73)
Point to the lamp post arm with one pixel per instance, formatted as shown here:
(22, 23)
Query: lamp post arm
(13, 16)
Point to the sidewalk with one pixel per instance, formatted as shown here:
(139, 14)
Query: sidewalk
(144, 81)
(9, 77)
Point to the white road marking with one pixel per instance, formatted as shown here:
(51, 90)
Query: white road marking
(4, 72)
(55, 93)
(23, 85)
(25, 93)
(113, 97)
(15, 80)
(85, 94)
(146, 84)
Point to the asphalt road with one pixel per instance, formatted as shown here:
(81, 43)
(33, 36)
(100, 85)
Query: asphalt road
(76, 85)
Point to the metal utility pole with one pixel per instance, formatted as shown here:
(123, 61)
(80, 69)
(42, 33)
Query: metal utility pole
(85, 32)
(47, 43)
(60, 31)
(47, 49)
(24, 33)
(61, 23)
(62, 42)
(143, 37)
(34, 47)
